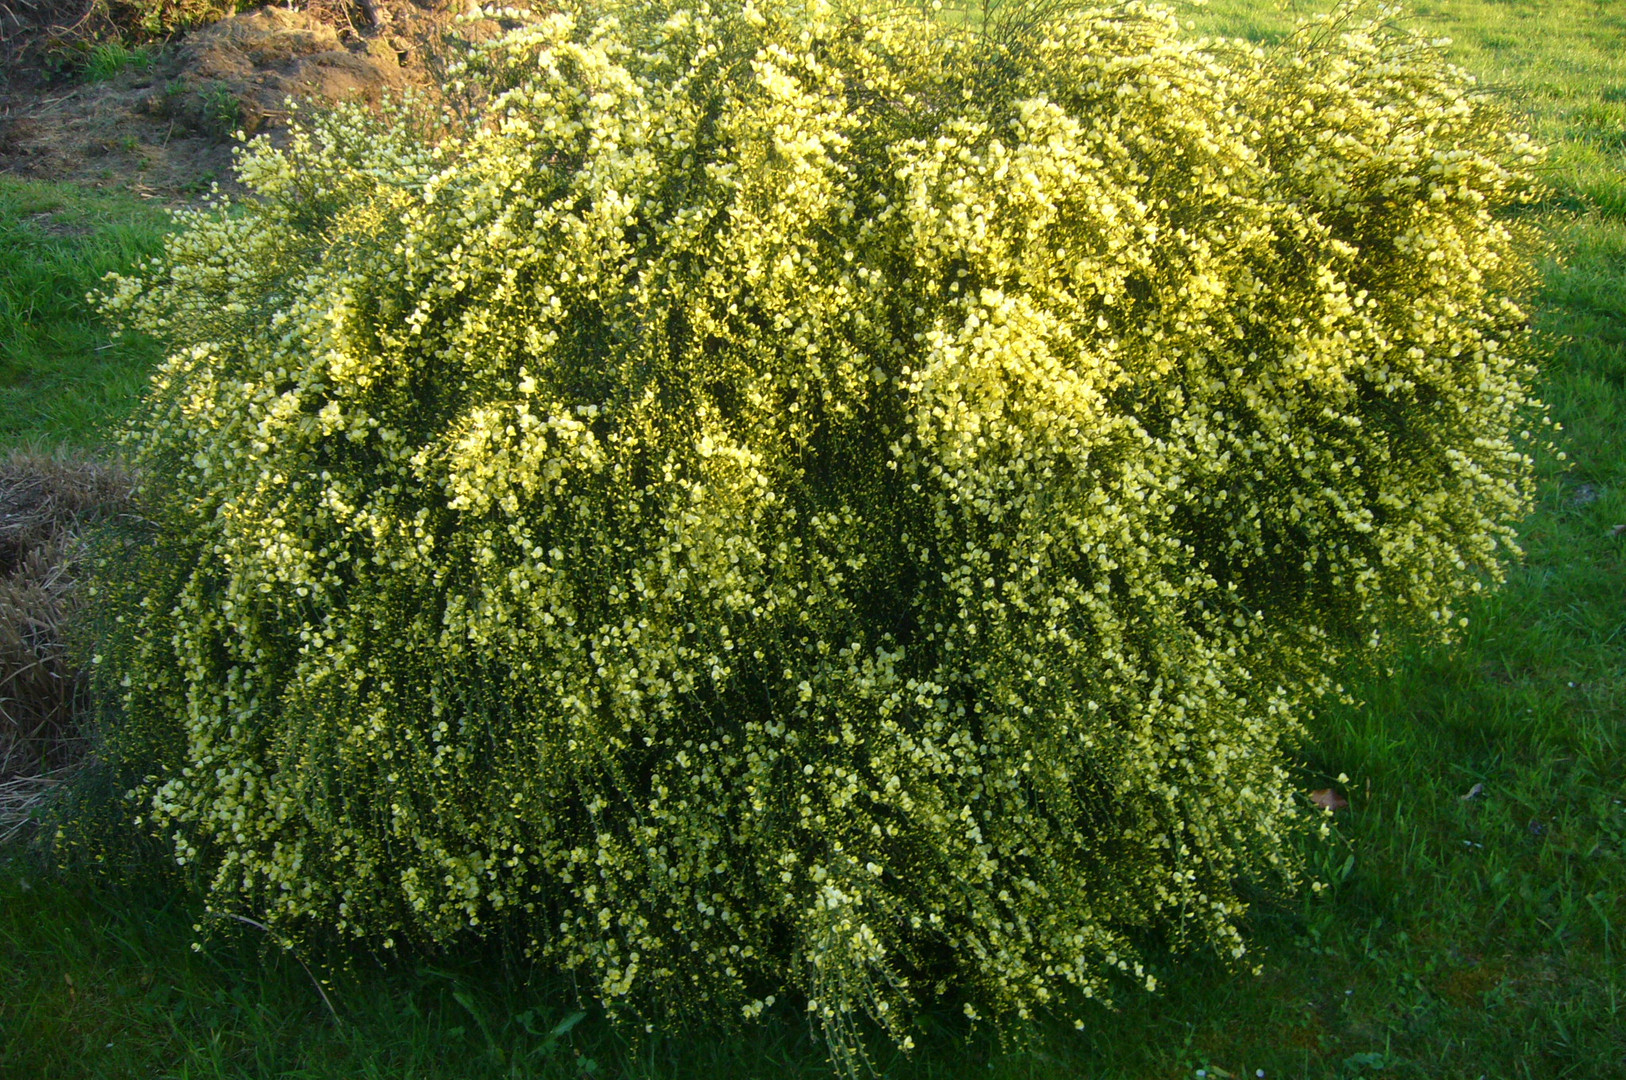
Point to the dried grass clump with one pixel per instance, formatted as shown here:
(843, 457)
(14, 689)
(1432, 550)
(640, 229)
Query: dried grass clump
(46, 501)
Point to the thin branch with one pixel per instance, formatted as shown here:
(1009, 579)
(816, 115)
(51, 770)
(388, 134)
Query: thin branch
(280, 940)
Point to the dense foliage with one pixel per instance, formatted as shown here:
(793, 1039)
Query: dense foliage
(159, 18)
(810, 500)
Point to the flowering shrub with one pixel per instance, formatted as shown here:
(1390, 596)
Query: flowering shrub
(809, 500)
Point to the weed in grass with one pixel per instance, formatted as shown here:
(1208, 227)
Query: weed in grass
(108, 59)
(202, 184)
(222, 113)
(172, 98)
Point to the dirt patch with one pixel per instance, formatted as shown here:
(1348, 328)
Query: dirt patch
(1468, 985)
(162, 123)
(249, 66)
(49, 224)
(108, 136)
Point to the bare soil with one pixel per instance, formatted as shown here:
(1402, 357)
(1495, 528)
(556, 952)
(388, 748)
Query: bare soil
(163, 127)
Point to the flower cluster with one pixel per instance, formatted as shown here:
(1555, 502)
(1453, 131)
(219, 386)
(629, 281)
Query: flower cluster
(809, 500)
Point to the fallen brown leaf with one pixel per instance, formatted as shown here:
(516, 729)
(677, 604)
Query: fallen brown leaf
(1618, 530)
(1329, 799)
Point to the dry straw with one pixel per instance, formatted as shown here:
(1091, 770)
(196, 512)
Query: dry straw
(46, 502)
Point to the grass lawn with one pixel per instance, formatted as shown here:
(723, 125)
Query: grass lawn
(1462, 937)
(62, 378)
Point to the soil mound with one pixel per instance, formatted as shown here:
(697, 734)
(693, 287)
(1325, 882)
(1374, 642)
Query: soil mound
(162, 126)
(258, 60)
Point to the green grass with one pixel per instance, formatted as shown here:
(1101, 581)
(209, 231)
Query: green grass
(63, 380)
(1462, 937)
(108, 59)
